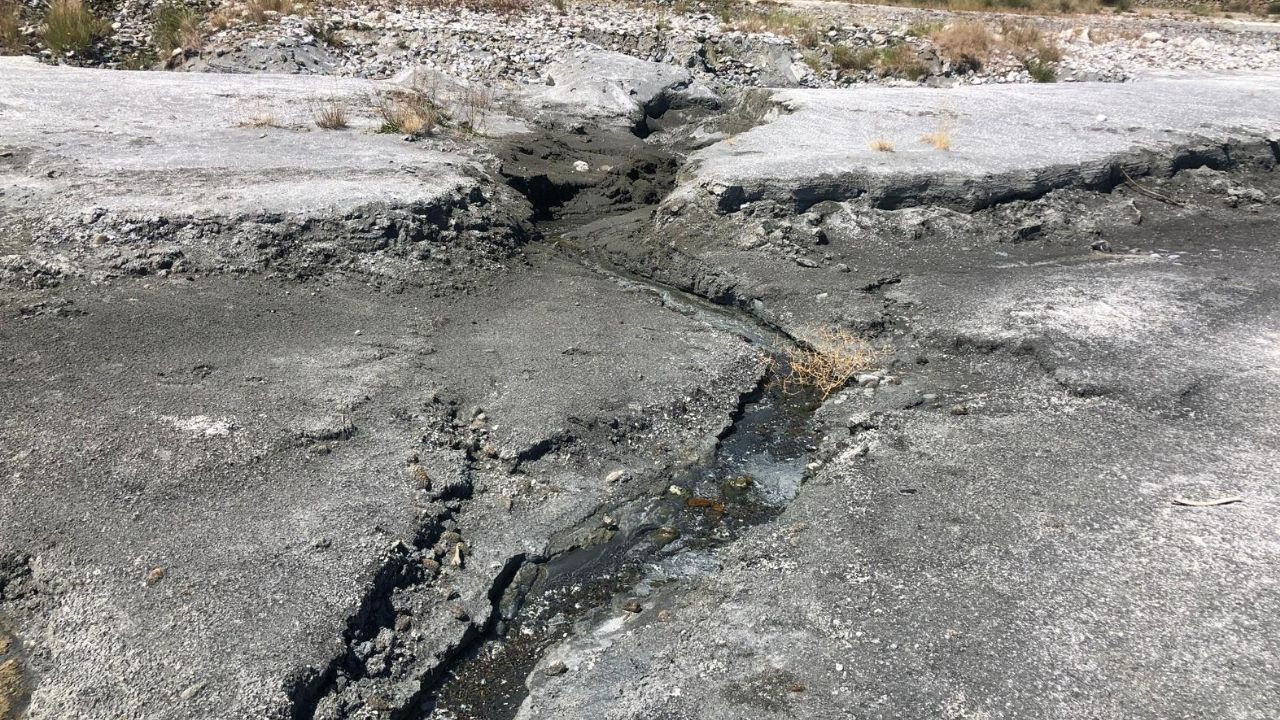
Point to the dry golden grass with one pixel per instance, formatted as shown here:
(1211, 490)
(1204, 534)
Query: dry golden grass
(826, 361)
(330, 114)
(10, 28)
(407, 113)
(1020, 36)
(881, 146)
(11, 690)
(940, 139)
(223, 18)
(261, 119)
(965, 43)
(416, 110)
(1027, 42)
(257, 10)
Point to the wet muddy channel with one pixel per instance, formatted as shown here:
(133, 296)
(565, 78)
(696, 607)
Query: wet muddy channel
(665, 535)
(669, 532)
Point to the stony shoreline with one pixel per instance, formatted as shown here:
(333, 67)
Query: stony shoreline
(805, 44)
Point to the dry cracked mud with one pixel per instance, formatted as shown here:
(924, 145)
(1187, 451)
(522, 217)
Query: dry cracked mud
(495, 426)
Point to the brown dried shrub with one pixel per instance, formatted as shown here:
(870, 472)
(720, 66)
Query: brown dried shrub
(826, 361)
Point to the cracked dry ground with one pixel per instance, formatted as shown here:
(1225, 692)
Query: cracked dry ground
(333, 496)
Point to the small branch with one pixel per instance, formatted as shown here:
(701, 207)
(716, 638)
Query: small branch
(1149, 193)
(1207, 503)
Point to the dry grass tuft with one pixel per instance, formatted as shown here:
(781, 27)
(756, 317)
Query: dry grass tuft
(1021, 36)
(223, 18)
(882, 146)
(71, 27)
(261, 119)
(11, 690)
(260, 10)
(330, 114)
(10, 28)
(939, 139)
(407, 112)
(814, 61)
(923, 29)
(474, 103)
(966, 43)
(826, 362)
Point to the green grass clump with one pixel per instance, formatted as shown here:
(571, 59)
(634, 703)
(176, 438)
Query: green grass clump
(177, 26)
(923, 29)
(847, 58)
(1041, 71)
(71, 28)
(902, 61)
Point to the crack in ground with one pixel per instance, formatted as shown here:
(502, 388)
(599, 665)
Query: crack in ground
(1102, 177)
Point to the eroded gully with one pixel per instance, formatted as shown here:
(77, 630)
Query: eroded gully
(667, 533)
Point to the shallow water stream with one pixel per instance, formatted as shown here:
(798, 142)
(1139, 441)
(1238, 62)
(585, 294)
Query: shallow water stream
(660, 537)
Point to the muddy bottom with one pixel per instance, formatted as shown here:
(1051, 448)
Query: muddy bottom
(659, 538)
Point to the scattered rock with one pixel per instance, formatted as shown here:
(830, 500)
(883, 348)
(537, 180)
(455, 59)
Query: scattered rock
(155, 575)
(421, 480)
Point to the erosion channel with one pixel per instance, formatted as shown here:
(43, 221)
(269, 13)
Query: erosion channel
(584, 593)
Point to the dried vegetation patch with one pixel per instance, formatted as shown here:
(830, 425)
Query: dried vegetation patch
(330, 114)
(966, 43)
(825, 361)
(407, 112)
(11, 41)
